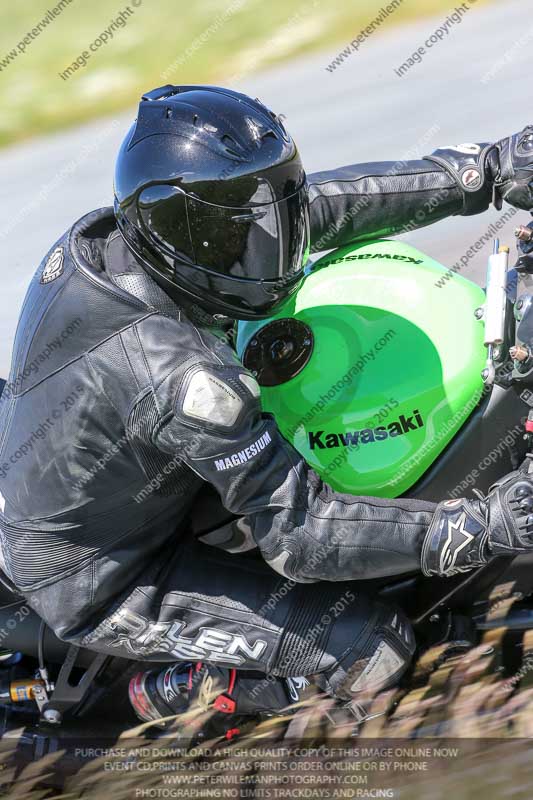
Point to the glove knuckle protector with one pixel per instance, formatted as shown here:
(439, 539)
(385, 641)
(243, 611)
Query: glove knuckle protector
(510, 506)
(511, 165)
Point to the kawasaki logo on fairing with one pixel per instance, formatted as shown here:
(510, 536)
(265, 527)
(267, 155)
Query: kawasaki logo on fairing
(319, 440)
(364, 256)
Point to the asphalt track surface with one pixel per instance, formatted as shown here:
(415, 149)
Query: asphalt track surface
(471, 86)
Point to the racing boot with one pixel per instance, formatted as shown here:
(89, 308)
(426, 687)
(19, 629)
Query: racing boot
(234, 697)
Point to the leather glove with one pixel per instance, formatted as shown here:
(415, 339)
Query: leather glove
(510, 515)
(465, 534)
(510, 167)
(491, 172)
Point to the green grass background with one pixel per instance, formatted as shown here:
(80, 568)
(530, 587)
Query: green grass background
(160, 44)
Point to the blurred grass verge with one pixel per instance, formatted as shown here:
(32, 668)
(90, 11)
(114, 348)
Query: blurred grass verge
(462, 730)
(158, 42)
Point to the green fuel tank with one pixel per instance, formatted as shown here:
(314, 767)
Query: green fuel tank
(373, 366)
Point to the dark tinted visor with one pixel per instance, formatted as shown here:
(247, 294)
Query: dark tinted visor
(267, 242)
(264, 242)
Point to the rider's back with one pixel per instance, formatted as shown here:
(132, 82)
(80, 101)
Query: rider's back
(81, 485)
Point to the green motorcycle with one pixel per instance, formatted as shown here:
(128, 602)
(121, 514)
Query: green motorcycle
(394, 376)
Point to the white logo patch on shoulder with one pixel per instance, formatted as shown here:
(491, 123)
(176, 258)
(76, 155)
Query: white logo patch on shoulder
(210, 399)
(54, 266)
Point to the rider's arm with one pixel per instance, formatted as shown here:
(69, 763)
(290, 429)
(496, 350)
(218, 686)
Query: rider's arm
(212, 420)
(365, 201)
(209, 417)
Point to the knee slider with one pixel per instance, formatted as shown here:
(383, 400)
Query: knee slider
(376, 661)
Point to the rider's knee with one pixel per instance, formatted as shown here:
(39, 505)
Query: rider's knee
(353, 642)
(377, 658)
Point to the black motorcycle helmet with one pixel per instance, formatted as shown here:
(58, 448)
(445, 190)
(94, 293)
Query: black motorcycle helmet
(211, 197)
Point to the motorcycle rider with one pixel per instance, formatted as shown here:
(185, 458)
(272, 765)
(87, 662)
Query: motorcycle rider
(213, 221)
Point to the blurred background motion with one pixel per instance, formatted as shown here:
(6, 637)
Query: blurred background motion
(71, 74)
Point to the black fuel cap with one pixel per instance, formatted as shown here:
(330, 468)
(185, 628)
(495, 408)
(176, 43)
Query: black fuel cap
(279, 351)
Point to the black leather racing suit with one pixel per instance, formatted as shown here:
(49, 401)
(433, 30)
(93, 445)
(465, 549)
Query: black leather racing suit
(104, 456)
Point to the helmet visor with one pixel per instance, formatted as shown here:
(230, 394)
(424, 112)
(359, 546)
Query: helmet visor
(260, 243)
